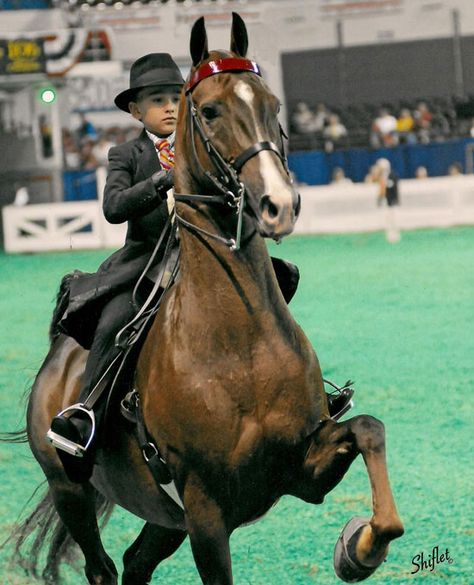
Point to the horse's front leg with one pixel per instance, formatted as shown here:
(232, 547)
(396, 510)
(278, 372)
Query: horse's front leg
(363, 544)
(385, 524)
(208, 534)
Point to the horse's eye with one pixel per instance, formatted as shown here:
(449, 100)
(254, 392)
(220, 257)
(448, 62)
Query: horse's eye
(209, 112)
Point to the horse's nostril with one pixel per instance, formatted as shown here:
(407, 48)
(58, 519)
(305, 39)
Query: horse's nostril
(298, 206)
(267, 205)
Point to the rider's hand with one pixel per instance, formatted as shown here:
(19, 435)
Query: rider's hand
(163, 180)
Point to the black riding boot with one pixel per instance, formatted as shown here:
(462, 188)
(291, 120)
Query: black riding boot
(288, 276)
(74, 431)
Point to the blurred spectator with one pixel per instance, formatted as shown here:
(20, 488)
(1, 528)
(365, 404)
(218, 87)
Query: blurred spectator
(471, 129)
(405, 127)
(421, 173)
(388, 193)
(72, 157)
(440, 128)
(372, 174)
(339, 176)
(335, 134)
(100, 150)
(86, 130)
(46, 135)
(321, 118)
(303, 119)
(423, 118)
(22, 197)
(388, 181)
(384, 130)
(455, 169)
(88, 160)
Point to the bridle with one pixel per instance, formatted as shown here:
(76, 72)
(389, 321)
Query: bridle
(226, 177)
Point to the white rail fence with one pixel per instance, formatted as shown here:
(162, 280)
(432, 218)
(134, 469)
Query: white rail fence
(340, 208)
(350, 208)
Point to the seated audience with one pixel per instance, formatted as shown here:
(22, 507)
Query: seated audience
(421, 172)
(321, 118)
(339, 176)
(334, 134)
(384, 130)
(455, 169)
(405, 127)
(423, 118)
(303, 119)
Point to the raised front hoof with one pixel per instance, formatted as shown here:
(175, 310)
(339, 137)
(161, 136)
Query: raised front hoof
(346, 565)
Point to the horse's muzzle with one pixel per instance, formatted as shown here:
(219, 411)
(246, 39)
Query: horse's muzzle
(278, 214)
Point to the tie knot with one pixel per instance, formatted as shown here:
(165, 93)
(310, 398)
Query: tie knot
(162, 145)
(165, 154)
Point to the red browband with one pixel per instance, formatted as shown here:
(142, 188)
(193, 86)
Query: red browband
(221, 66)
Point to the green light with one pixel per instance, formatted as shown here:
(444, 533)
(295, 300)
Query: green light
(48, 95)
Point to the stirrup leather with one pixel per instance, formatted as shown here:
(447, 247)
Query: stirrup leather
(75, 449)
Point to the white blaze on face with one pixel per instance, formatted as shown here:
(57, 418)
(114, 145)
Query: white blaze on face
(274, 183)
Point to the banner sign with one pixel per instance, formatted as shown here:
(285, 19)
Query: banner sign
(20, 56)
(341, 8)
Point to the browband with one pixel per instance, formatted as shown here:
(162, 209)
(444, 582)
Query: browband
(221, 66)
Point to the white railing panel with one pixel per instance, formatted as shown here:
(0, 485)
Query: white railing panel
(52, 226)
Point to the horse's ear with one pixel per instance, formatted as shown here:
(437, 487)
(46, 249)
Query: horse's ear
(198, 43)
(239, 40)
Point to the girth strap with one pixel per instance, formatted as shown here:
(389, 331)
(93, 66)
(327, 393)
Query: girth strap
(131, 409)
(253, 150)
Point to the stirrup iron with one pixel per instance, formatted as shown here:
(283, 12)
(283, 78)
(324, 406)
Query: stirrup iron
(75, 449)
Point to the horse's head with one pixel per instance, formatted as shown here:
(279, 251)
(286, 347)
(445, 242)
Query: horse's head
(234, 140)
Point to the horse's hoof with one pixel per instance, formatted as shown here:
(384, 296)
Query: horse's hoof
(346, 565)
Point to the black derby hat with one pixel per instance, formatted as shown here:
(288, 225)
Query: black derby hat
(148, 71)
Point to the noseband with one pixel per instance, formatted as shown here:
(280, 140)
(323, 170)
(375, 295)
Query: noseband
(226, 179)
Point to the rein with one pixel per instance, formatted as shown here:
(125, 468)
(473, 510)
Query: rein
(226, 180)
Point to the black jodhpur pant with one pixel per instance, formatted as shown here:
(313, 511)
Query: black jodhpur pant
(115, 315)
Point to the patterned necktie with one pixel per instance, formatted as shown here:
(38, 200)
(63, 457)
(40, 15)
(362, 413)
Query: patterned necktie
(165, 154)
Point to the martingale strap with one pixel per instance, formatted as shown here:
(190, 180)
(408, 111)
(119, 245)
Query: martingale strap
(221, 66)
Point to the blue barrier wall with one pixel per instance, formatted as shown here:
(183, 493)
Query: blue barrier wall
(25, 4)
(79, 185)
(316, 167)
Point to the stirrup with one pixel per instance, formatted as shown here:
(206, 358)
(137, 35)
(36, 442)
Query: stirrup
(60, 442)
(343, 410)
(338, 390)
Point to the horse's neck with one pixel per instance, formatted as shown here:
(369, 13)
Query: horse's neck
(214, 276)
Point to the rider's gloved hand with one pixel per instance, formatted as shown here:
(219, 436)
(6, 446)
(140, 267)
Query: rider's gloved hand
(163, 180)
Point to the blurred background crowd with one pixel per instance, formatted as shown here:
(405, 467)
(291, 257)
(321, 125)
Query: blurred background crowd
(321, 126)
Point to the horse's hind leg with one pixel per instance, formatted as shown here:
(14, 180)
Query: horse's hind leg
(75, 504)
(364, 543)
(153, 545)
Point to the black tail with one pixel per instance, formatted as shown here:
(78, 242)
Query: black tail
(14, 437)
(43, 529)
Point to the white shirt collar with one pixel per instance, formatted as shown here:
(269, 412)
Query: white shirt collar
(171, 138)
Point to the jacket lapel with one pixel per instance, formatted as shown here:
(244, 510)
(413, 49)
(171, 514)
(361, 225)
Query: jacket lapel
(148, 162)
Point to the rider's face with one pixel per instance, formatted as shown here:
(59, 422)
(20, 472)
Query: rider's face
(157, 109)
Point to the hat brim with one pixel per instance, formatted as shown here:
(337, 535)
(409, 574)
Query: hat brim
(129, 95)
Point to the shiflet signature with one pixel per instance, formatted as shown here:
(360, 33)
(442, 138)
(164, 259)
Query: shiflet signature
(422, 562)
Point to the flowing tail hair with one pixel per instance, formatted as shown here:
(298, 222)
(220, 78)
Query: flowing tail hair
(43, 531)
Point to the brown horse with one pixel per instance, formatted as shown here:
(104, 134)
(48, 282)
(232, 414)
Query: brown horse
(230, 386)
